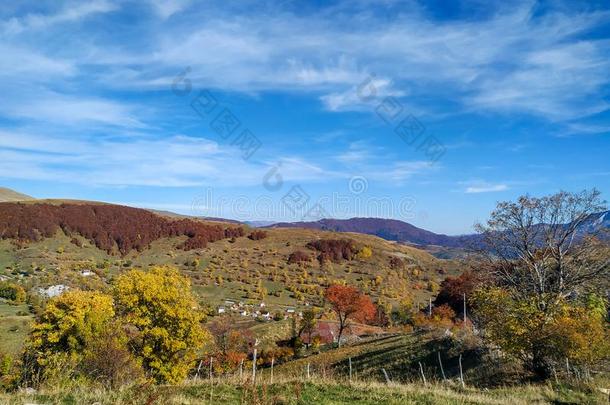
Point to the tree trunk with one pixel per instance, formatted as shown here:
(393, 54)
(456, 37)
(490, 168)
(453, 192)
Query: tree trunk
(540, 364)
(342, 323)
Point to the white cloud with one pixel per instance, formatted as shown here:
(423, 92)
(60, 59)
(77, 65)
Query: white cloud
(368, 94)
(20, 63)
(172, 161)
(357, 152)
(396, 172)
(405, 170)
(69, 13)
(576, 128)
(509, 61)
(167, 8)
(52, 107)
(169, 161)
(486, 188)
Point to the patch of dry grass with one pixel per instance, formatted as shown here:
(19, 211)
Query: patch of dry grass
(315, 390)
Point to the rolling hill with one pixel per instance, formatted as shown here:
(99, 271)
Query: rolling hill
(52, 242)
(399, 231)
(390, 229)
(6, 195)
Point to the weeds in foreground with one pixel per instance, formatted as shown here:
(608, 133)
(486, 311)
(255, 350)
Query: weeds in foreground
(315, 390)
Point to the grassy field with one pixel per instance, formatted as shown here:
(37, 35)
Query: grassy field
(314, 391)
(400, 355)
(14, 327)
(233, 270)
(328, 383)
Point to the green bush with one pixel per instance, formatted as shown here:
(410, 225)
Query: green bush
(12, 292)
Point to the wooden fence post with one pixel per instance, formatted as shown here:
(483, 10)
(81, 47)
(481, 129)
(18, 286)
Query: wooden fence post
(441, 364)
(423, 376)
(211, 362)
(308, 371)
(461, 373)
(254, 367)
(387, 378)
(272, 362)
(241, 370)
(254, 362)
(350, 369)
(198, 369)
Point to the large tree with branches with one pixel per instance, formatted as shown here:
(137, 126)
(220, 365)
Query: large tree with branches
(537, 246)
(349, 303)
(541, 258)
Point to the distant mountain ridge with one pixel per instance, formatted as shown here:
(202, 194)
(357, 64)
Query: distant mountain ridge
(597, 222)
(389, 229)
(400, 231)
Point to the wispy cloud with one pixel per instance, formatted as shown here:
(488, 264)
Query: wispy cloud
(50, 107)
(70, 12)
(354, 98)
(398, 172)
(358, 151)
(486, 188)
(584, 128)
(174, 161)
(167, 8)
(555, 77)
(511, 61)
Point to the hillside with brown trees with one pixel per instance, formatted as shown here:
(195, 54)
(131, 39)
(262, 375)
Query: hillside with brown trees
(112, 228)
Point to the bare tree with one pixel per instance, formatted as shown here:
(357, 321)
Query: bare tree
(537, 247)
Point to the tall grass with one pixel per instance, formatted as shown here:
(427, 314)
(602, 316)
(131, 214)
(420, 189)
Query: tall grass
(316, 390)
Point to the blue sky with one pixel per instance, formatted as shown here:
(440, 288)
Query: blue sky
(426, 111)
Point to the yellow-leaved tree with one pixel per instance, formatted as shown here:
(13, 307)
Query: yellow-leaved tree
(68, 325)
(574, 330)
(540, 255)
(365, 253)
(159, 305)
